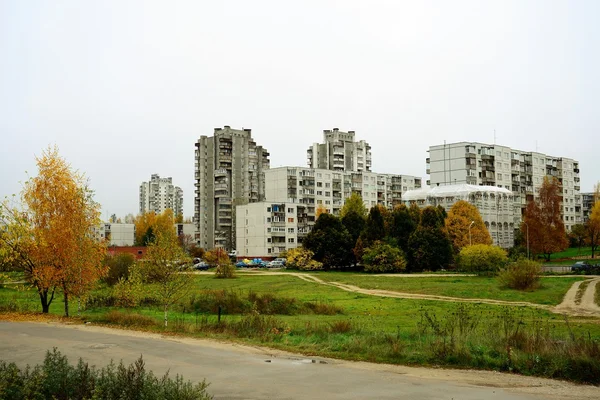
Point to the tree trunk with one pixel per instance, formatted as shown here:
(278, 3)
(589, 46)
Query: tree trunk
(66, 305)
(44, 301)
(166, 315)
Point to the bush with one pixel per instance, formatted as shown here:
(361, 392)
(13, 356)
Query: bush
(225, 271)
(382, 257)
(481, 259)
(129, 292)
(57, 379)
(118, 267)
(128, 319)
(522, 275)
(302, 259)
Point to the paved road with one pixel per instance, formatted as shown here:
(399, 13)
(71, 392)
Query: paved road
(237, 372)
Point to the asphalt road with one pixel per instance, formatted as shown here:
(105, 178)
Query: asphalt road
(237, 372)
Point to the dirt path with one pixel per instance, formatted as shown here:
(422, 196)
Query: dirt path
(587, 307)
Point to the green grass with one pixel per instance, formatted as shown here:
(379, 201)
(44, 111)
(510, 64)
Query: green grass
(377, 329)
(551, 292)
(573, 252)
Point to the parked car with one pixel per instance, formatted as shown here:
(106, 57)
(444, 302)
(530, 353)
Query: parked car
(201, 266)
(241, 264)
(584, 267)
(283, 260)
(276, 264)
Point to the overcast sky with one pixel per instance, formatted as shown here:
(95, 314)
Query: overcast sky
(125, 88)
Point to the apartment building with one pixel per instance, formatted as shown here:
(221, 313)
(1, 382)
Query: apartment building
(588, 201)
(340, 152)
(158, 194)
(116, 234)
(519, 171)
(314, 187)
(229, 171)
(495, 204)
(266, 229)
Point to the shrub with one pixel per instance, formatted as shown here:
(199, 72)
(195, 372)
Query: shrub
(481, 259)
(522, 275)
(302, 259)
(225, 271)
(128, 319)
(321, 308)
(382, 257)
(129, 292)
(57, 379)
(118, 267)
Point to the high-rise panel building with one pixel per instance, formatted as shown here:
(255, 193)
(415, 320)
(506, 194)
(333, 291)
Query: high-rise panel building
(229, 171)
(340, 152)
(158, 194)
(521, 172)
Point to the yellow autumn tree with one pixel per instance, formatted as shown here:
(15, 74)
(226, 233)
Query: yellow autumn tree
(148, 225)
(461, 216)
(51, 235)
(321, 210)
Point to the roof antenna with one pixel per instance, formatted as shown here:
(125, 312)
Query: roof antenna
(494, 136)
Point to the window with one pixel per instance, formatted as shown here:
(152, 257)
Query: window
(268, 240)
(319, 184)
(319, 175)
(319, 201)
(290, 219)
(290, 230)
(327, 184)
(269, 250)
(268, 219)
(319, 193)
(246, 221)
(499, 177)
(268, 209)
(327, 194)
(291, 240)
(268, 230)
(290, 210)
(246, 241)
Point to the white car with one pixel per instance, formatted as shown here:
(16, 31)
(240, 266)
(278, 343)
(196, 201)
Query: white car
(276, 264)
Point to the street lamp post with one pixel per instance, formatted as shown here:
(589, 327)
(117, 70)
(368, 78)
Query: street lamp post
(470, 225)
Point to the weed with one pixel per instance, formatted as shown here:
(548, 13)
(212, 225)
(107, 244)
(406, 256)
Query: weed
(128, 319)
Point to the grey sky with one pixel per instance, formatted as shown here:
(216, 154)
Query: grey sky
(125, 88)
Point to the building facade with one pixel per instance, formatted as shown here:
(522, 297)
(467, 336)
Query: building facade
(294, 194)
(519, 171)
(340, 152)
(116, 234)
(588, 201)
(158, 194)
(229, 171)
(266, 229)
(495, 204)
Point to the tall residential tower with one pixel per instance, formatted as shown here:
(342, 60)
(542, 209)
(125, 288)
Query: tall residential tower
(229, 171)
(340, 152)
(159, 194)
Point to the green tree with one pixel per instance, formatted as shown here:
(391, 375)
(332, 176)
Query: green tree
(429, 249)
(415, 213)
(354, 224)
(403, 226)
(118, 267)
(383, 257)
(578, 235)
(432, 217)
(593, 227)
(330, 242)
(375, 226)
(354, 203)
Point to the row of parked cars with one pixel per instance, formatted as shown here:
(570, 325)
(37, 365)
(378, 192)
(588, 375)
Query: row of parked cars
(200, 265)
(584, 267)
(257, 263)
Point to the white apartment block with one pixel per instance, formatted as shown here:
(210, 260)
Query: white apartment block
(340, 152)
(518, 171)
(314, 187)
(265, 229)
(159, 194)
(229, 171)
(116, 234)
(588, 201)
(495, 204)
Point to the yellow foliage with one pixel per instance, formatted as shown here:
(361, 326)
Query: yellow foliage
(301, 258)
(458, 221)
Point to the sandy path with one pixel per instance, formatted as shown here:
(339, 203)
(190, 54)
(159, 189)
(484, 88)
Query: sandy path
(587, 307)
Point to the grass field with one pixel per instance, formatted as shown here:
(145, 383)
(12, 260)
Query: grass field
(551, 292)
(571, 252)
(374, 328)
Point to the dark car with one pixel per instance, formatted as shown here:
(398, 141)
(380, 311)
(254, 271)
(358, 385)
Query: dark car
(201, 266)
(581, 266)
